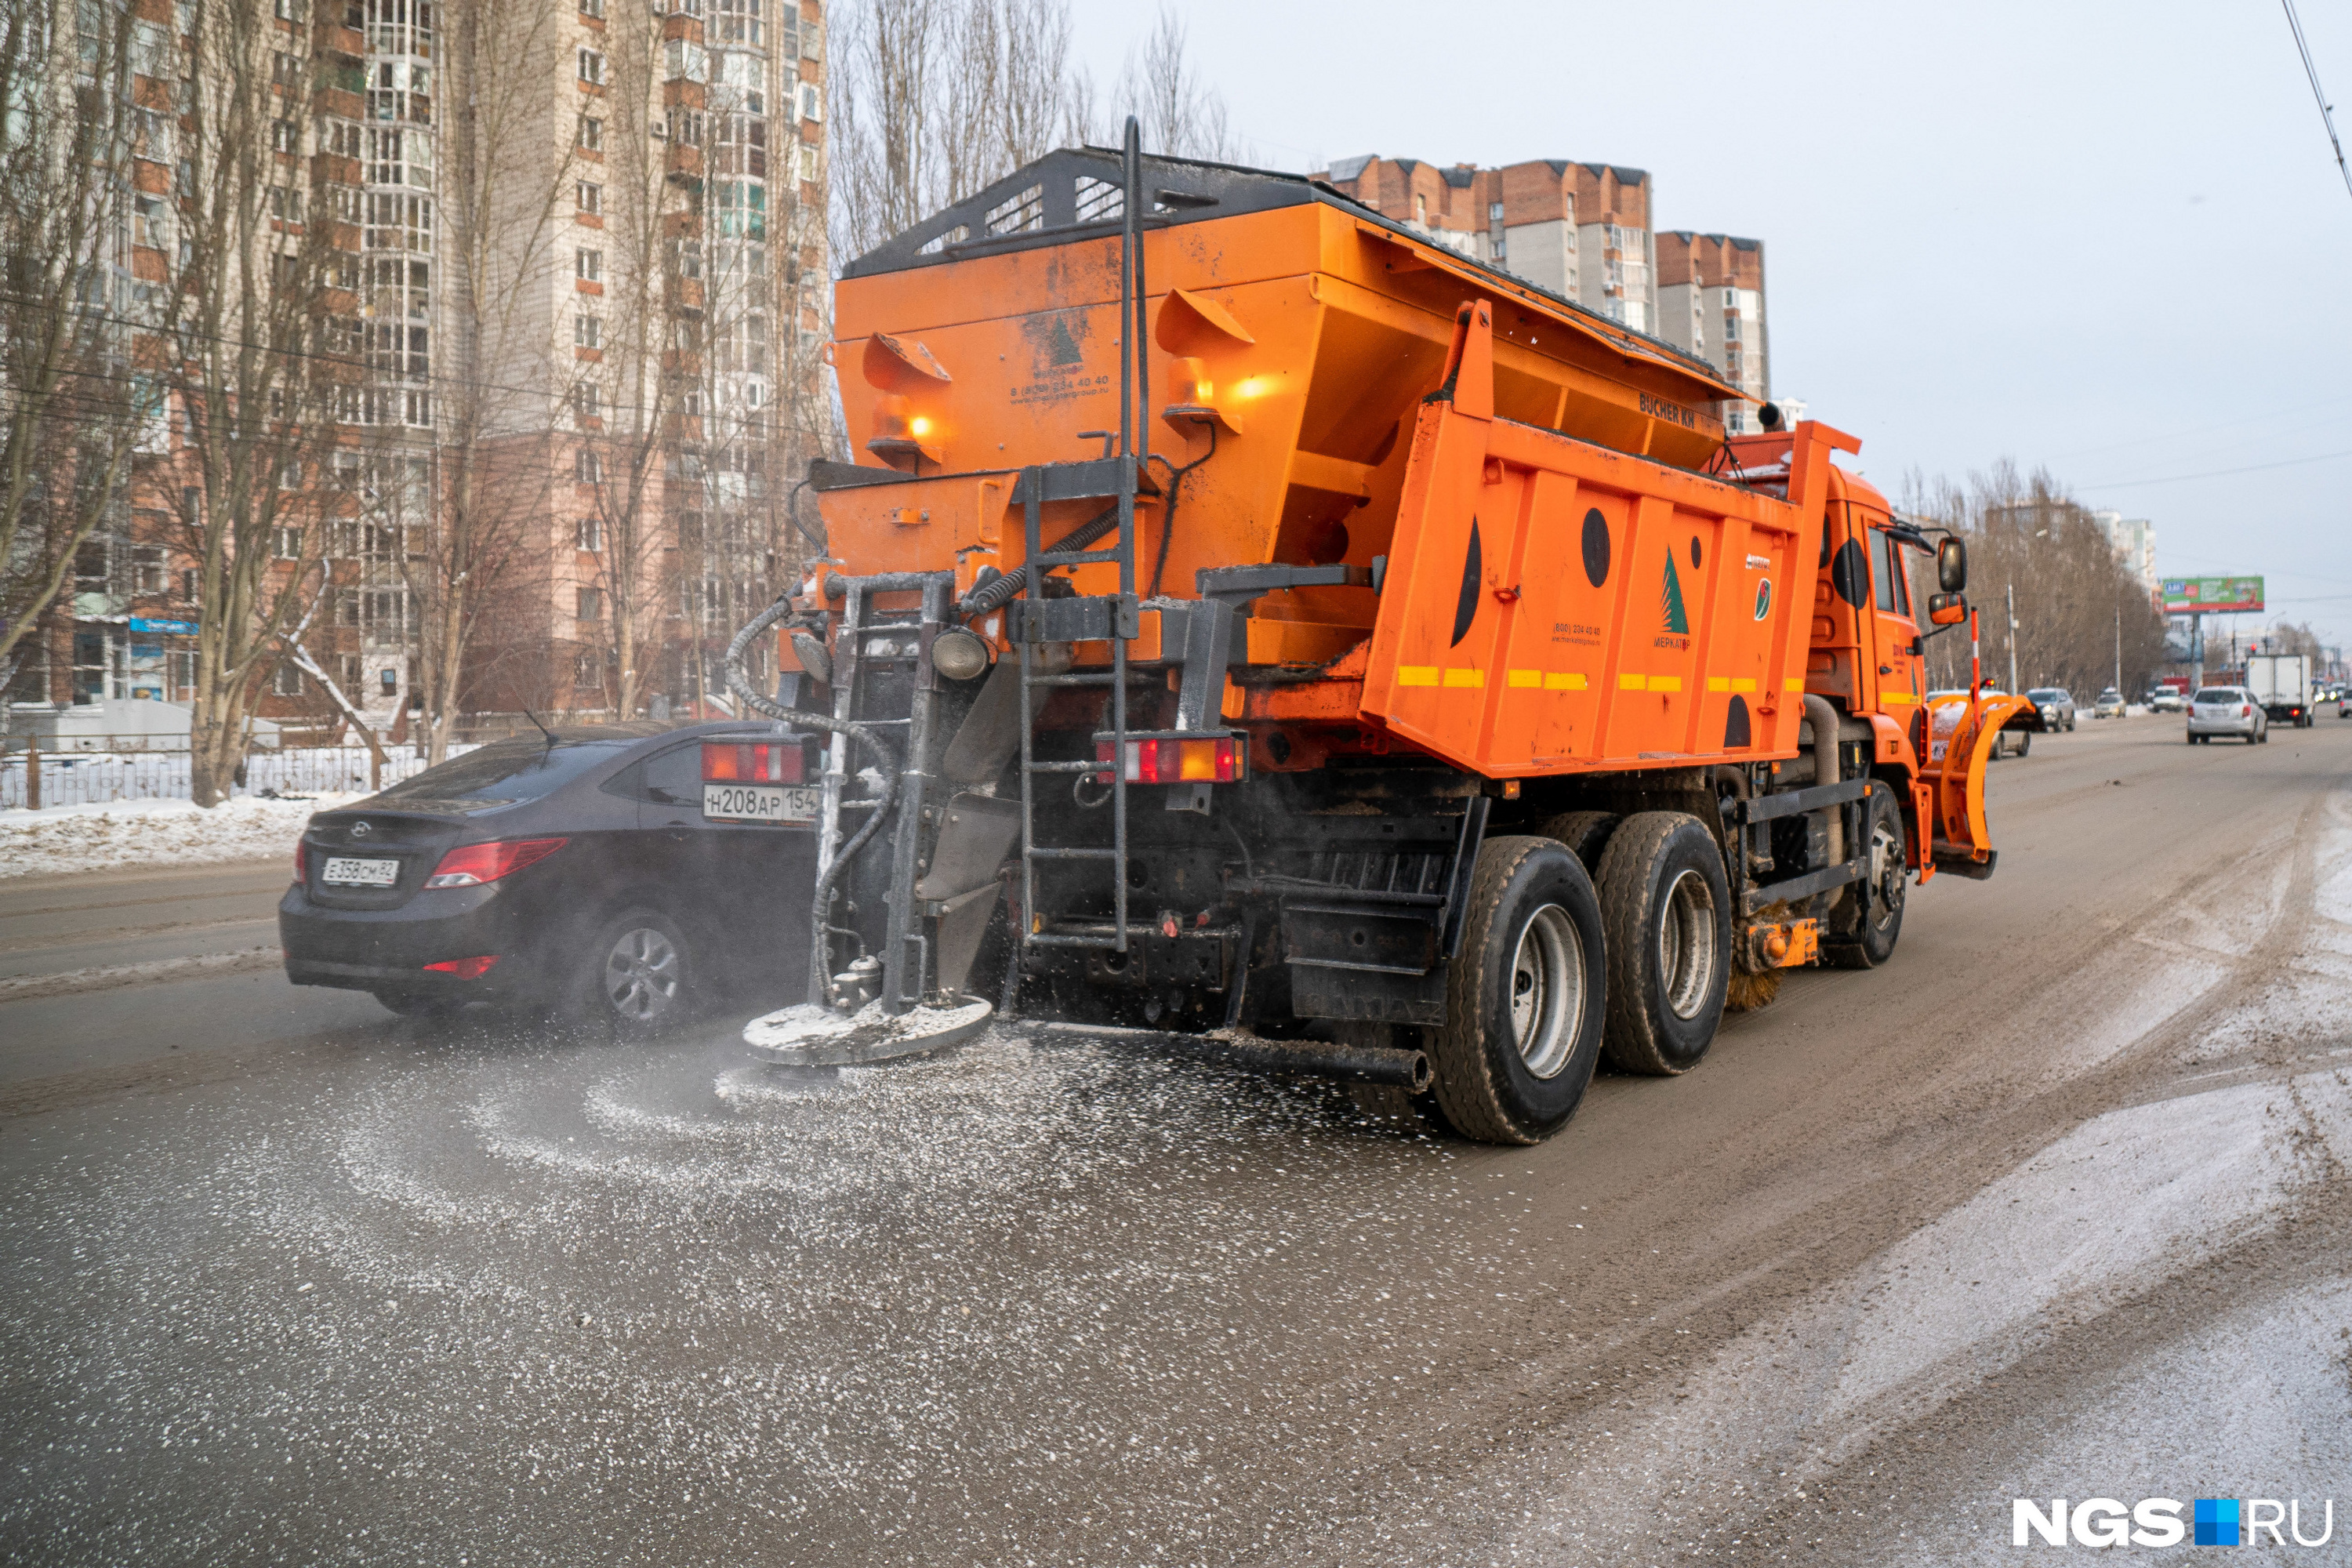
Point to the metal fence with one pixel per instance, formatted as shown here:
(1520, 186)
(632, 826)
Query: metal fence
(144, 772)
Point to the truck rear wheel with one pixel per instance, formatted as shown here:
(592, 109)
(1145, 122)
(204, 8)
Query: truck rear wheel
(1880, 891)
(1666, 908)
(1585, 833)
(1524, 999)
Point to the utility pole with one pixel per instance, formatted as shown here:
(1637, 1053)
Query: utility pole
(2012, 639)
(2196, 652)
(2119, 650)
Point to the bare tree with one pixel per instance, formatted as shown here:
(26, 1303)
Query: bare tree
(503, 210)
(1181, 114)
(246, 349)
(74, 401)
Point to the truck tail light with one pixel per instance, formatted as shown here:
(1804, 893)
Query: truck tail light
(464, 968)
(751, 761)
(1221, 760)
(471, 865)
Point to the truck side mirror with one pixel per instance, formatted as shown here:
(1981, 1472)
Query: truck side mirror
(1947, 609)
(1951, 566)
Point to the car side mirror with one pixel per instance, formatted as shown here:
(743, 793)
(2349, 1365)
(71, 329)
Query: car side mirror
(1947, 609)
(1951, 566)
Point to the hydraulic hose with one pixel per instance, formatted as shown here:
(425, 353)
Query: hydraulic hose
(820, 964)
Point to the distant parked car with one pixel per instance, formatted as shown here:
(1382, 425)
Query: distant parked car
(2110, 704)
(2055, 704)
(2166, 699)
(623, 873)
(2227, 710)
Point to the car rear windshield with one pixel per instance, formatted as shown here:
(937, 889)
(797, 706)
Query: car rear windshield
(2218, 694)
(506, 772)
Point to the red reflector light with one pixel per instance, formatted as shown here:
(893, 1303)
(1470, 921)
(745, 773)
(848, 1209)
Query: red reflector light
(1221, 760)
(465, 968)
(751, 761)
(470, 865)
(301, 860)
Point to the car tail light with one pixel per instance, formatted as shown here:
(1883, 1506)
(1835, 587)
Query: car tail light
(751, 761)
(1221, 760)
(470, 865)
(464, 968)
(2245, 710)
(301, 860)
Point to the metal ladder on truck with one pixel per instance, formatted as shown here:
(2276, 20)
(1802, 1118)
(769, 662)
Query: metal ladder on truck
(1118, 477)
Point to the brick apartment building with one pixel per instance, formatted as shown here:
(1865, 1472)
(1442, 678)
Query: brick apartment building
(1583, 231)
(658, 365)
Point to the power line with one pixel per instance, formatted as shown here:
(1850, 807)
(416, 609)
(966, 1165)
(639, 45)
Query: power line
(2326, 113)
(2217, 473)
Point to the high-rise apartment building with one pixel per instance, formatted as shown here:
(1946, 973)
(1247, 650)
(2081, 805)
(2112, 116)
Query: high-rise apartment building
(563, 287)
(1711, 304)
(2133, 539)
(1578, 230)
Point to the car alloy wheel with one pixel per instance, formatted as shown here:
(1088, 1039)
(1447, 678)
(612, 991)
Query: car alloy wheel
(643, 975)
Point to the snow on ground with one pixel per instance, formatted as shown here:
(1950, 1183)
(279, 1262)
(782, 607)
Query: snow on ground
(149, 833)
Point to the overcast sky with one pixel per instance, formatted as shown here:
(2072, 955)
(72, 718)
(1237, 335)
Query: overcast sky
(2109, 237)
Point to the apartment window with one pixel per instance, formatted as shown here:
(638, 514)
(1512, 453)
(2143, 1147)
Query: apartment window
(1731, 327)
(588, 671)
(740, 20)
(286, 543)
(587, 332)
(586, 403)
(190, 581)
(589, 604)
(587, 468)
(591, 197)
(388, 683)
(285, 69)
(588, 265)
(588, 534)
(812, 102)
(286, 204)
(341, 137)
(808, 164)
(686, 127)
(151, 225)
(291, 10)
(148, 574)
(592, 8)
(592, 133)
(1731, 298)
(286, 680)
(812, 39)
(1494, 212)
(592, 67)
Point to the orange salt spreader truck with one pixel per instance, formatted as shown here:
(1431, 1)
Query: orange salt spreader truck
(1248, 620)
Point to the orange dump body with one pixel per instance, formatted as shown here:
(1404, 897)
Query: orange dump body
(1300, 338)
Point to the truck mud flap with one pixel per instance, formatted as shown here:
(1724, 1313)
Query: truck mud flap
(1961, 734)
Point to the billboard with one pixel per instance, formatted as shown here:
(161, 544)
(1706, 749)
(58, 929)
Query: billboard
(2187, 596)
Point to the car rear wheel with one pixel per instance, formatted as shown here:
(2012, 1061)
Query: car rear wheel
(638, 976)
(1666, 908)
(1524, 999)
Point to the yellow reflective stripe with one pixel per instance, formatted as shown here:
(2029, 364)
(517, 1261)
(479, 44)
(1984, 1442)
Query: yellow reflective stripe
(1718, 683)
(1527, 677)
(1416, 675)
(1665, 683)
(1633, 682)
(1896, 697)
(1558, 682)
(1796, 683)
(1742, 683)
(1465, 677)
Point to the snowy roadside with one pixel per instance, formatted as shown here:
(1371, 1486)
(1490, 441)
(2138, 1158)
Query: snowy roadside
(150, 833)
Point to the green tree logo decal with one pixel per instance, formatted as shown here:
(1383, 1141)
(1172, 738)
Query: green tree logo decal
(1676, 621)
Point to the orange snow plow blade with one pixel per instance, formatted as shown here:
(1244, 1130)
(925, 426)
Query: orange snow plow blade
(1960, 737)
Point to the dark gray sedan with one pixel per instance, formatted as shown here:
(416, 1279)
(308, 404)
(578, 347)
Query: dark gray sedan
(622, 873)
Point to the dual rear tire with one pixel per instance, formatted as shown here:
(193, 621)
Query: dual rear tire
(1556, 965)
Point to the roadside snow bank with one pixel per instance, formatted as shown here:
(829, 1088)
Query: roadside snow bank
(140, 833)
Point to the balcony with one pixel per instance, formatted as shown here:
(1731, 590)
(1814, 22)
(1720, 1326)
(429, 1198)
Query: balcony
(685, 164)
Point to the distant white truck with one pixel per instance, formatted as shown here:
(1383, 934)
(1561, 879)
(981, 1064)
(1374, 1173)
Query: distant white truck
(2281, 682)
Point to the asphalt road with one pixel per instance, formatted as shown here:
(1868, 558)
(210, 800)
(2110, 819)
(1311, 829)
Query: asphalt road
(2053, 1205)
